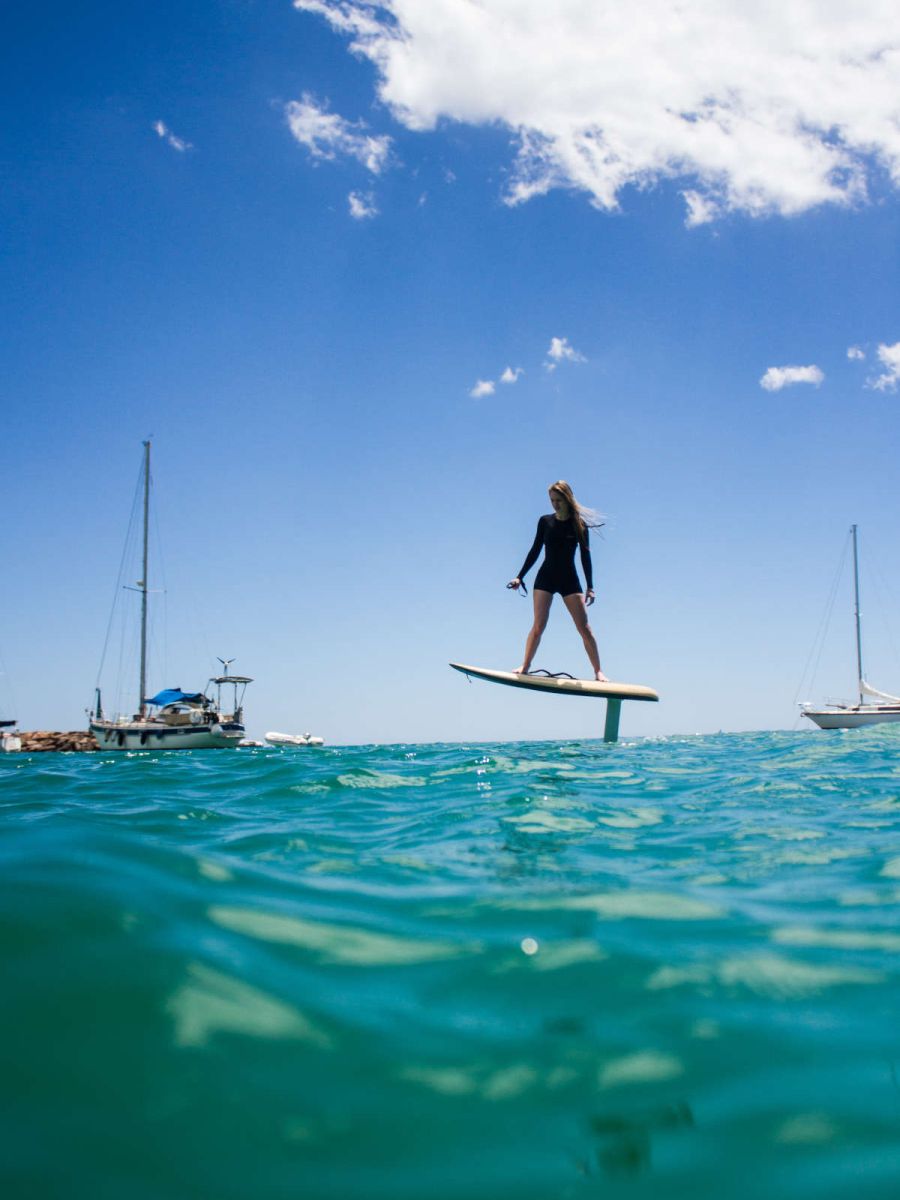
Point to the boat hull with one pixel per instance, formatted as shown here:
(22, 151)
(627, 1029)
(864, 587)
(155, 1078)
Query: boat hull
(852, 718)
(149, 735)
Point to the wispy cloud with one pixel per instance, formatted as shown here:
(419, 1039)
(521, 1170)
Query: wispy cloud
(701, 209)
(170, 139)
(856, 353)
(362, 206)
(487, 387)
(328, 136)
(561, 351)
(484, 387)
(777, 378)
(889, 357)
(758, 109)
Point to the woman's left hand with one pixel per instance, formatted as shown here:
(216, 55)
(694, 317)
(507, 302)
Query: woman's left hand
(589, 597)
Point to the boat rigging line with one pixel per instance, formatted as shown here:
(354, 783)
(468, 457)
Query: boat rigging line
(818, 645)
(127, 554)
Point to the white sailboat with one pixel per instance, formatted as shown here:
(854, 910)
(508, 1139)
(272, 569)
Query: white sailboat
(172, 719)
(10, 742)
(873, 707)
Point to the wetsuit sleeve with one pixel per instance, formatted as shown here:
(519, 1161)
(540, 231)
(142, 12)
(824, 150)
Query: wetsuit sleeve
(532, 555)
(586, 563)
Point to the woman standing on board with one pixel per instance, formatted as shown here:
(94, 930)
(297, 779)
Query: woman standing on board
(559, 533)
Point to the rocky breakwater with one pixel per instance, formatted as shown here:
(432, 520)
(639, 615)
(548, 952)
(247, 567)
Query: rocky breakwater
(43, 739)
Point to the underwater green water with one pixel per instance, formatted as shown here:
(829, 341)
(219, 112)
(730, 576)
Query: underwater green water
(661, 968)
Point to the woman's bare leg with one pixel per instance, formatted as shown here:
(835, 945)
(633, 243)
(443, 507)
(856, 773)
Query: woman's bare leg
(575, 605)
(542, 602)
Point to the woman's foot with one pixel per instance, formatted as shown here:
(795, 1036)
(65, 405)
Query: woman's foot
(600, 677)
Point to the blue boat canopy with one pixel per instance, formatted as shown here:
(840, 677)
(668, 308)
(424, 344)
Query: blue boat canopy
(175, 696)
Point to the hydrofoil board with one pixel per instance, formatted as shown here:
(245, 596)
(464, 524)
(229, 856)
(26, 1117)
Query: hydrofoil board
(565, 687)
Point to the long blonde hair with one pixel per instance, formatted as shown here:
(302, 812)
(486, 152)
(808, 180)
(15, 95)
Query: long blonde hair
(584, 518)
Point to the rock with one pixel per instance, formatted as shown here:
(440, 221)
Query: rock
(38, 740)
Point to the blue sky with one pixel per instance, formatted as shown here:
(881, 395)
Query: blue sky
(289, 242)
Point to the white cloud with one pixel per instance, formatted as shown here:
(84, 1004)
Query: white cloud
(169, 137)
(777, 378)
(758, 108)
(701, 209)
(362, 206)
(484, 387)
(511, 374)
(889, 357)
(327, 135)
(561, 351)
(856, 353)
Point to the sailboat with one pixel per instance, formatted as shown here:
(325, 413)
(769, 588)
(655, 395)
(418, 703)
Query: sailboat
(873, 707)
(10, 741)
(172, 719)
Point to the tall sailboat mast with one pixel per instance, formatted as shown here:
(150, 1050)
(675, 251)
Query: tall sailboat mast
(171, 719)
(881, 707)
(142, 708)
(859, 668)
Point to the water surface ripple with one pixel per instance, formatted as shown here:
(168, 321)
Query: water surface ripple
(662, 968)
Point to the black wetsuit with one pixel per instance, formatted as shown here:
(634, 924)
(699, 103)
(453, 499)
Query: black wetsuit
(557, 572)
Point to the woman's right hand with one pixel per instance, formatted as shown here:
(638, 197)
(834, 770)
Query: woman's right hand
(514, 584)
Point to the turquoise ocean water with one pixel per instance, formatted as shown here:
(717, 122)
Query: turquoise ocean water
(663, 968)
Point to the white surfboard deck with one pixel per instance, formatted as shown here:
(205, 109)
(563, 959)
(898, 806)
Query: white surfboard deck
(566, 687)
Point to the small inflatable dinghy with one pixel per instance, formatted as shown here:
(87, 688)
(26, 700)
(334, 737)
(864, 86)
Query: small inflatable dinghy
(294, 739)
